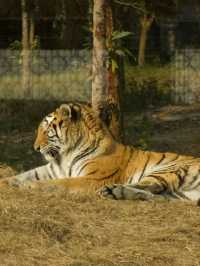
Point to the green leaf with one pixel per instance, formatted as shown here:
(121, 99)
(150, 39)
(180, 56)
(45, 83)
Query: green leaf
(87, 29)
(119, 35)
(128, 52)
(114, 65)
(120, 52)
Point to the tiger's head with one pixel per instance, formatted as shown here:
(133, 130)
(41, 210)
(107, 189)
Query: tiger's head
(65, 129)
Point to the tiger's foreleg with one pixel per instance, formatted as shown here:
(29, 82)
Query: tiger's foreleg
(84, 184)
(29, 178)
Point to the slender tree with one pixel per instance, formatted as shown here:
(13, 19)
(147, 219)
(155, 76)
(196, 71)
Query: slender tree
(145, 25)
(100, 54)
(148, 11)
(25, 49)
(32, 28)
(28, 11)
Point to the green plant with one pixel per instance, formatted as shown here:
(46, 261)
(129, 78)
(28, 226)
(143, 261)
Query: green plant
(116, 48)
(16, 48)
(36, 43)
(16, 45)
(148, 86)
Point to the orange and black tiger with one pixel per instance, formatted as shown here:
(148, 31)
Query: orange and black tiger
(83, 156)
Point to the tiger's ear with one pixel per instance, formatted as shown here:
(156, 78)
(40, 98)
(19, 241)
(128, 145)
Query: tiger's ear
(70, 111)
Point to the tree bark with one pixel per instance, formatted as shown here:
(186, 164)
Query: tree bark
(100, 56)
(145, 24)
(105, 83)
(25, 50)
(32, 30)
(113, 97)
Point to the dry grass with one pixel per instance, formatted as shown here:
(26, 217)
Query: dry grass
(6, 171)
(41, 227)
(49, 227)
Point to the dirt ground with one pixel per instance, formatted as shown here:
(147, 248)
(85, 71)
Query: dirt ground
(48, 227)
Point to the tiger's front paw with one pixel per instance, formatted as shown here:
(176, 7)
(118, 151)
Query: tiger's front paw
(8, 181)
(11, 181)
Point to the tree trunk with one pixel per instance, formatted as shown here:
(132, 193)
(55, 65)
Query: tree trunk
(145, 24)
(25, 50)
(105, 83)
(100, 55)
(113, 97)
(32, 30)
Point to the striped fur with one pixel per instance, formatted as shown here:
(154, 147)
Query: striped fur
(83, 156)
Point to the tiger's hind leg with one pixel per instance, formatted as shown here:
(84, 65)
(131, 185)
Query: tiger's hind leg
(125, 192)
(150, 187)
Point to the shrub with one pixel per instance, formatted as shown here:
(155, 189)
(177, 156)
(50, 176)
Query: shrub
(147, 86)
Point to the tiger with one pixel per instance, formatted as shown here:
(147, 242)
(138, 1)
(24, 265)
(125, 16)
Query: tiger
(83, 156)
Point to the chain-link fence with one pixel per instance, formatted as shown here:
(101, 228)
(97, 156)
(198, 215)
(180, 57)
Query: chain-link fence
(187, 76)
(66, 75)
(54, 74)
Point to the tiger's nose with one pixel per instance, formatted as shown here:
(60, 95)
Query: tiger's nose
(41, 140)
(36, 147)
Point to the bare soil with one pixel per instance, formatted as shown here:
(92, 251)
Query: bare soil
(48, 227)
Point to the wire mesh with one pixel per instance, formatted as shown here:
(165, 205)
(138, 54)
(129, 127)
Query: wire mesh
(53, 74)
